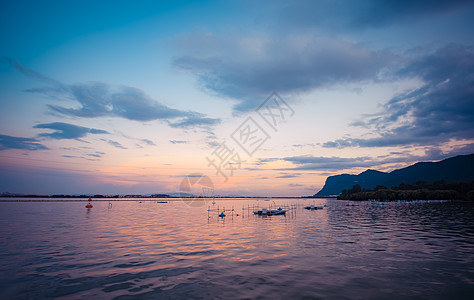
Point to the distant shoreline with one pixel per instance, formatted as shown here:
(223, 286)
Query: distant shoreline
(144, 199)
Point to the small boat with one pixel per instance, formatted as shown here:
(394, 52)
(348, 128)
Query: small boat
(270, 212)
(222, 214)
(312, 207)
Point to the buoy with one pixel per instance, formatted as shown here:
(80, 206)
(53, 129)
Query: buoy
(89, 205)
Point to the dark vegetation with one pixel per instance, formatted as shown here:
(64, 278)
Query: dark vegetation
(420, 190)
(455, 169)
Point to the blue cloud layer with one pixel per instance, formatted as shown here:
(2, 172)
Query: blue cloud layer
(12, 142)
(100, 99)
(439, 111)
(67, 131)
(341, 15)
(334, 163)
(286, 64)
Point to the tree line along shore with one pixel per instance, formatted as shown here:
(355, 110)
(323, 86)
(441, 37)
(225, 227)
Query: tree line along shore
(420, 190)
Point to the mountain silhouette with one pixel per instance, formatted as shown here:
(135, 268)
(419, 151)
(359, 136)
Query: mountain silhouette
(458, 168)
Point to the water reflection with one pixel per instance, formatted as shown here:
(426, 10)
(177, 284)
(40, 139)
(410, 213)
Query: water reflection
(174, 250)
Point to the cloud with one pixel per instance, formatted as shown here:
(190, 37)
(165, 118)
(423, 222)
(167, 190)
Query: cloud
(12, 142)
(358, 15)
(115, 144)
(247, 69)
(178, 142)
(334, 163)
(213, 144)
(290, 60)
(287, 175)
(193, 120)
(308, 162)
(98, 99)
(148, 142)
(33, 74)
(67, 131)
(439, 111)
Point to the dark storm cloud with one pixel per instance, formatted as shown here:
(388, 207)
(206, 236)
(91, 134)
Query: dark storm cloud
(67, 131)
(13, 142)
(441, 110)
(290, 65)
(98, 99)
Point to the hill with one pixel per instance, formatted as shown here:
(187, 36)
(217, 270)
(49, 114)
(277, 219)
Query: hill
(458, 168)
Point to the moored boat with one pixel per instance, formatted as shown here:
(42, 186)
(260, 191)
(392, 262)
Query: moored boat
(270, 212)
(312, 207)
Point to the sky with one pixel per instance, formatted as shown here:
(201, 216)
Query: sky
(252, 98)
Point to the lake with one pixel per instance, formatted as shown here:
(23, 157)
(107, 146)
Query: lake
(174, 250)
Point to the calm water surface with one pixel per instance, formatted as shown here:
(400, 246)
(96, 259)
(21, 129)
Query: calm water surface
(172, 250)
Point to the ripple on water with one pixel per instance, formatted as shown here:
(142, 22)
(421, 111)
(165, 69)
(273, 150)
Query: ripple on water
(58, 250)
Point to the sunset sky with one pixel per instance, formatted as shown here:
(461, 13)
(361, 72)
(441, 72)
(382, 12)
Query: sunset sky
(129, 97)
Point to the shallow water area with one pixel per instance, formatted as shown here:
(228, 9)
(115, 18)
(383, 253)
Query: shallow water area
(141, 248)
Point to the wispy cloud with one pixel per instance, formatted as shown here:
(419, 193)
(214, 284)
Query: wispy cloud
(308, 162)
(148, 142)
(194, 120)
(289, 175)
(115, 144)
(334, 163)
(67, 131)
(12, 142)
(178, 142)
(97, 99)
(213, 144)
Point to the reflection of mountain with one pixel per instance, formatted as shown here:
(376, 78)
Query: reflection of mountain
(458, 168)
